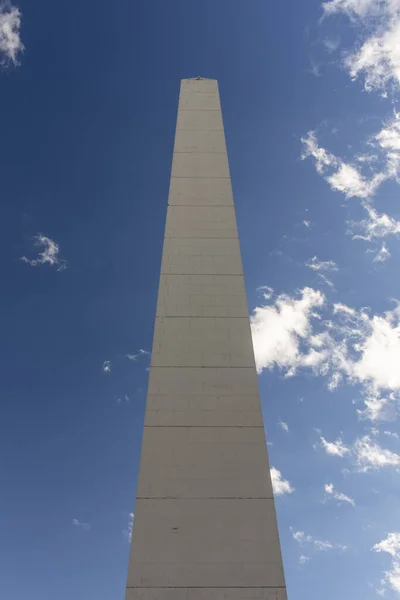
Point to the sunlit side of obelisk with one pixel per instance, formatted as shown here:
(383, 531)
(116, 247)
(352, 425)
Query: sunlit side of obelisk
(205, 524)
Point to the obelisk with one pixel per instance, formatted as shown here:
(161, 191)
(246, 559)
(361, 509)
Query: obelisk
(205, 524)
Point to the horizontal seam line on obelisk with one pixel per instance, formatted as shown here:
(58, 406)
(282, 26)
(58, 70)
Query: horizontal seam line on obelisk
(202, 274)
(208, 426)
(206, 587)
(205, 498)
(198, 152)
(192, 366)
(197, 177)
(180, 109)
(216, 274)
(199, 237)
(199, 317)
(204, 130)
(205, 205)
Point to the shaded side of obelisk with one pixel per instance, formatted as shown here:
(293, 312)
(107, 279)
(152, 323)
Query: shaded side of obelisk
(205, 524)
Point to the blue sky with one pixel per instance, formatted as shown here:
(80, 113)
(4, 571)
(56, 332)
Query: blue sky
(88, 98)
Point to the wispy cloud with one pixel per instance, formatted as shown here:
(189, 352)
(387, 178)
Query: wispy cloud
(11, 45)
(284, 426)
(391, 546)
(341, 176)
(319, 545)
(336, 448)
(137, 354)
(331, 491)
(353, 345)
(391, 434)
(77, 523)
(376, 227)
(383, 254)
(365, 453)
(126, 398)
(370, 455)
(321, 265)
(331, 44)
(107, 366)
(280, 486)
(50, 254)
(128, 531)
(361, 178)
(377, 58)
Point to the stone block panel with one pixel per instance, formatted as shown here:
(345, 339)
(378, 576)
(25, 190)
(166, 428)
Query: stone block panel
(165, 416)
(210, 543)
(187, 256)
(202, 296)
(229, 593)
(194, 164)
(194, 191)
(235, 388)
(201, 221)
(200, 341)
(194, 85)
(204, 462)
(200, 141)
(199, 99)
(196, 396)
(199, 120)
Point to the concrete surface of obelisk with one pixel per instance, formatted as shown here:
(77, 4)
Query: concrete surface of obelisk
(205, 524)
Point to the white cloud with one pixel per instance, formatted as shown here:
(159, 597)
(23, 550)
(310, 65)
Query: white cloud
(378, 408)
(381, 165)
(331, 44)
(391, 546)
(320, 265)
(78, 523)
(341, 176)
(369, 455)
(353, 8)
(319, 545)
(317, 266)
(365, 453)
(303, 559)
(49, 254)
(280, 486)
(323, 159)
(284, 426)
(279, 329)
(379, 351)
(377, 59)
(389, 137)
(338, 307)
(107, 366)
(306, 223)
(383, 254)
(10, 41)
(353, 346)
(334, 448)
(377, 226)
(266, 290)
(348, 180)
(330, 490)
(137, 355)
(391, 434)
(128, 531)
